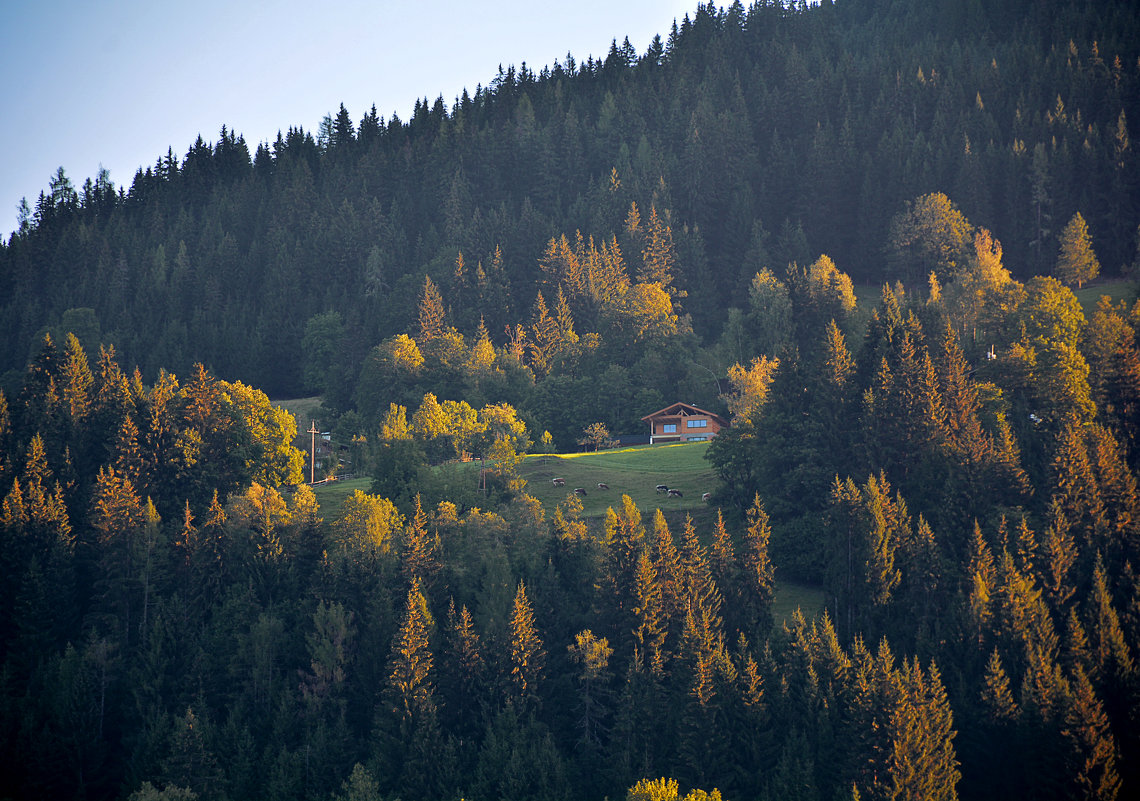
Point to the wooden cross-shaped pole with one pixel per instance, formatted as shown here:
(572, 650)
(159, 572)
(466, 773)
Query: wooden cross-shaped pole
(313, 454)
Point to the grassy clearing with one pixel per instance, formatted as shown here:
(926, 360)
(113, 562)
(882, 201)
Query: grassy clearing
(630, 471)
(1116, 289)
(304, 410)
(331, 495)
(790, 596)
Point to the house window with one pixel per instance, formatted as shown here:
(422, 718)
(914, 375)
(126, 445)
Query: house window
(697, 439)
(696, 423)
(669, 428)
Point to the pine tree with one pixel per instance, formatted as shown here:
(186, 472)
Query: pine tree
(757, 570)
(727, 574)
(190, 761)
(466, 672)
(545, 338)
(1059, 556)
(650, 623)
(5, 440)
(431, 312)
(407, 726)
(658, 258)
(117, 519)
(922, 761)
(1112, 658)
(1076, 262)
(419, 561)
(528, 658)
(997, 697)
(1093, 754)
(592, 655)
(666, 563)
(624, 538)
(980, 586)
(698, 589)
(128, 459)
(75, 386)
(565, 319)
(411, 691)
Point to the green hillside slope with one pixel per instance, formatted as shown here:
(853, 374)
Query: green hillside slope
(631, 471)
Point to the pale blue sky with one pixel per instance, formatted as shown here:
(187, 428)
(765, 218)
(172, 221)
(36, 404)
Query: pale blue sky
(85, 83)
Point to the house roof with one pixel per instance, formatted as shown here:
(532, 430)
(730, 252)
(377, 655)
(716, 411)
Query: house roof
(686, 410)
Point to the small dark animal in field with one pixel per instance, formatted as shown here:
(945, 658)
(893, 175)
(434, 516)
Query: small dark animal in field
(662, 488)
(579, 491)
(675, 494)
(603, 485)
(558, 482)
(706, 497)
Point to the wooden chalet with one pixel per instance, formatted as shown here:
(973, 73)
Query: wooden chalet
(683, 422)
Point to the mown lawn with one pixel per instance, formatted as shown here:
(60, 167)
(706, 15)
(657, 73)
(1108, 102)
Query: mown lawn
(629, 471)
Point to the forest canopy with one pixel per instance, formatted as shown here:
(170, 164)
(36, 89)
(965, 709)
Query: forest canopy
(852, 228)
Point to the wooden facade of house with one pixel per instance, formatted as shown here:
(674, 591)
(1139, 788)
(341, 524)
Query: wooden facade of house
(683, 422)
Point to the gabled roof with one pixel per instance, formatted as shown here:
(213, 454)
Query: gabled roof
(686, 409)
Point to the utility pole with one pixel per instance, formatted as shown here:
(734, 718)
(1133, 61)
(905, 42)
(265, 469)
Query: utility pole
(313, 454)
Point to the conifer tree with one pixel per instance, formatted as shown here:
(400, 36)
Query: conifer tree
(666, 563)
(411, 689)
(727, 574)
(658, 258)
(75, 385)
(431, 312)
(565, 319)
(528, 659)
(922, 579)
(624, 537)
(650, 623)
(5, 440)
(1093, 749)
(922, 762)
(888, 525)
(466, 670)
(699, 591)
(128, 455)
(592, 655)
(757, 570)
(407, 728)
(190, 761)
(1076, 262)
(980, 587)
(111, 397)
(1059, 556)
(997, 697)
(39, 403)
(1112, 658)
(116, 517)
(419, 561)
(544, 338)
(1075, 647)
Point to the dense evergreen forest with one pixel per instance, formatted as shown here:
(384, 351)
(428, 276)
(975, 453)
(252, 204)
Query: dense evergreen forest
(951, 455)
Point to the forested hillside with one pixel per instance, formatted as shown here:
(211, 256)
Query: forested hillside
(853, 229)
(763, 136)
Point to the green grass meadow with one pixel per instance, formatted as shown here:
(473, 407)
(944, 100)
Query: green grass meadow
(790, 596)
(629, 471)
(1117, 290)
(304, 410)
(331, 495)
